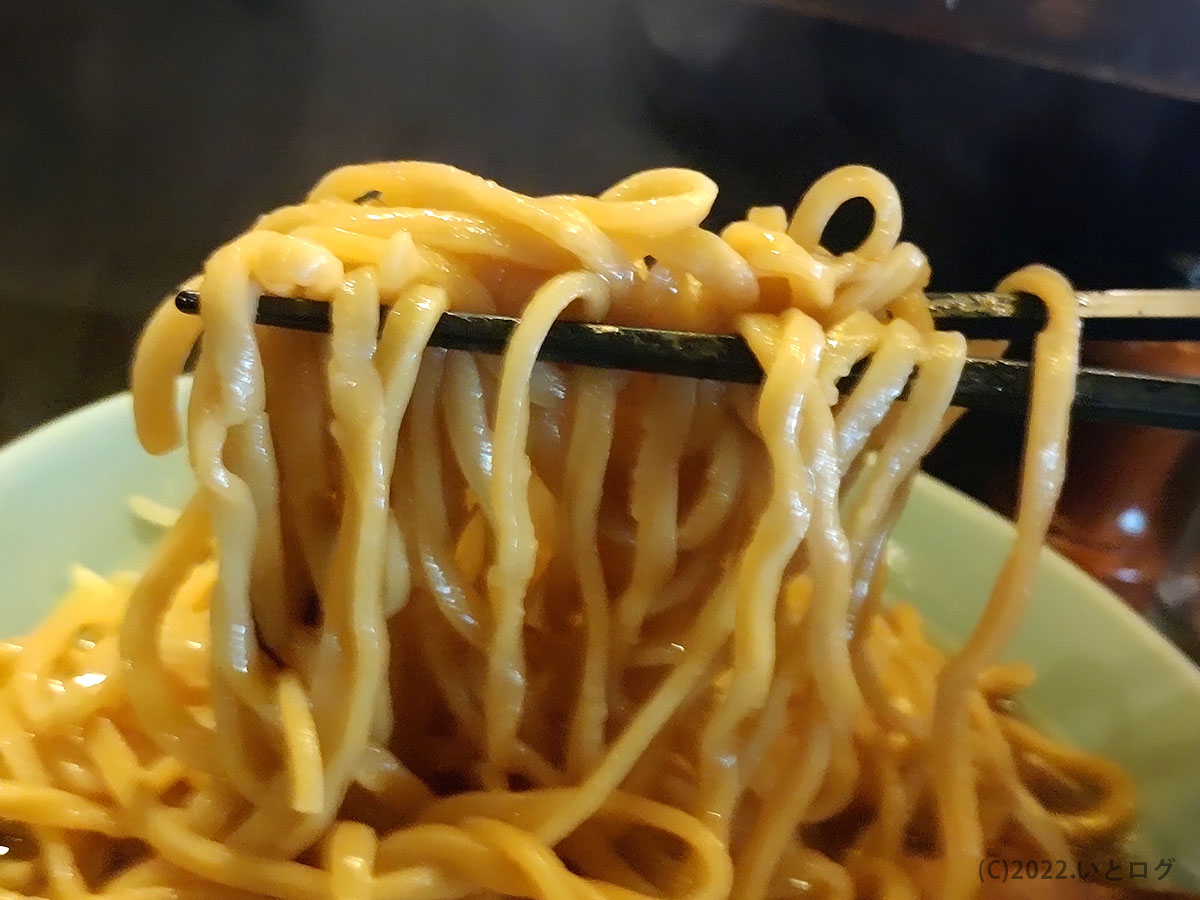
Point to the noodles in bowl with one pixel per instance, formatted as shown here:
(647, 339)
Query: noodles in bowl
(438, 625)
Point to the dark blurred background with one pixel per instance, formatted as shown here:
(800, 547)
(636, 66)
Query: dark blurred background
(136, 137)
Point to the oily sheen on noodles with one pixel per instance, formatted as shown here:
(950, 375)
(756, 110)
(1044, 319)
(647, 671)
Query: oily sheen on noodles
(437, 625)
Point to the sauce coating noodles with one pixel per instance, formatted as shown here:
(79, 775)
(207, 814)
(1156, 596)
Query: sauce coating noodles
(437, 625)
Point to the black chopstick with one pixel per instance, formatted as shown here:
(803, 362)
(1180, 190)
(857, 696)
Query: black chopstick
(1144, 315)
(1101, 395)
(1119, 315)
(721, 357)
(1002, 386)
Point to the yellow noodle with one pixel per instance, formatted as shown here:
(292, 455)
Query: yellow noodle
(439, 626)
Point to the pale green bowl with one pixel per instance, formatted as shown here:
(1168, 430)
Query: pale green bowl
(1106, 680)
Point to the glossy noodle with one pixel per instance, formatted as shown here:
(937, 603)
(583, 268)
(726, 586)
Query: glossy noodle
(437, 625)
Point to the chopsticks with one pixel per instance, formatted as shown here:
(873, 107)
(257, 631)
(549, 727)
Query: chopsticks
(1001, 386)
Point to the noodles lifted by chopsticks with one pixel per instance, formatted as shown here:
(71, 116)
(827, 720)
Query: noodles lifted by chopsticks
(437, 626)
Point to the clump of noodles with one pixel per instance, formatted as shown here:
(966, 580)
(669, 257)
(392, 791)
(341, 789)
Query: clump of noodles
(437, 625)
